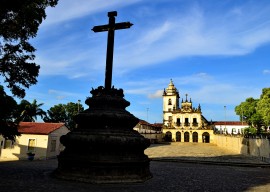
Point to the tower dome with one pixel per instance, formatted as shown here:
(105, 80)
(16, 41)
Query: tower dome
(171, 90)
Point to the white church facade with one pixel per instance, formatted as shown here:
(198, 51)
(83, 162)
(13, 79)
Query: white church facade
(181, 121)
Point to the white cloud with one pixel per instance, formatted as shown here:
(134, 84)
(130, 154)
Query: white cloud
(137, 91)
(152, 41)
(200, 87)
(223, 93)
(70, 9)
(195, 34)
(157, 94)
(60, 95)
(266, 71)
(156, 86)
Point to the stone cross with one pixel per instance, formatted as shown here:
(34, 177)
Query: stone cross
(111, 27)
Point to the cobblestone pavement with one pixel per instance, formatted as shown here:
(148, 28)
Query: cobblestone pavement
(167, 176)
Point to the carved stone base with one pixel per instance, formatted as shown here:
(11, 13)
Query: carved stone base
(104, 148)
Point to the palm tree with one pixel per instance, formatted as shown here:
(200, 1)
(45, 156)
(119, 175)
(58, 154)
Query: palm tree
(30, 111)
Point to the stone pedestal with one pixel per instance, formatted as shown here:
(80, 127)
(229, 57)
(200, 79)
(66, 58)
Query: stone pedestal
(104, 148)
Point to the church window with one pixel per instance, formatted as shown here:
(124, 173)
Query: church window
(170, 121)
(169, 109)
(186, 122)
(195, 123)
(169, 102)
(178, 123)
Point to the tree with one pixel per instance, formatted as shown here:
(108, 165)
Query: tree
(8, 123)
(263, 106)
(30, 111)
(256, 112)
(64, 113)
(247, 111)
(19, 21)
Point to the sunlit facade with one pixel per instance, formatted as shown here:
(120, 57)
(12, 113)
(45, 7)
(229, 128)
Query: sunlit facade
(181, 121)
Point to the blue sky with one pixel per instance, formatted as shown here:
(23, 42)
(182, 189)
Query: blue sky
(215, 51)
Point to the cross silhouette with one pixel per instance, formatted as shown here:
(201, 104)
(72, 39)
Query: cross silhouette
(111, 27)
(186, 97)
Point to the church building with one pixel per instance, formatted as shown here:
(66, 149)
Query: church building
(181, 121)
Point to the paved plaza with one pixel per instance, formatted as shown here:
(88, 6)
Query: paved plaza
(168, 175)
(202, 152)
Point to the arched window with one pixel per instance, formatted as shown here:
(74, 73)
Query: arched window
(206, 137)
(195, 137)
(169, 102)
(168, 136)
(186, 137)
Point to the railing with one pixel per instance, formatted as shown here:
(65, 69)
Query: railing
(178, 124)
(186, 124)
(195, 124)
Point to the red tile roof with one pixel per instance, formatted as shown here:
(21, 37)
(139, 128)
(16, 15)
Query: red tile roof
(38, 128)
(229, 123)
(158, 125)
(143, 122)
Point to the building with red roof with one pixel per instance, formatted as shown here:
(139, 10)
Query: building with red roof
(150, 131)
(41, 139)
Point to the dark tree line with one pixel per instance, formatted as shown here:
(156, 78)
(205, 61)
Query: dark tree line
(12, 113)
(64, 113)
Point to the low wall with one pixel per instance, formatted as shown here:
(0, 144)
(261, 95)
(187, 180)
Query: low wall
(246, 146)
(154, 137)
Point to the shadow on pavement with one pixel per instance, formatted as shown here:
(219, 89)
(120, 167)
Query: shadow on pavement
(167, 176)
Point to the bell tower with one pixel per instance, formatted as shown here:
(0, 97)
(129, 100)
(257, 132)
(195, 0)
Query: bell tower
(170, 103)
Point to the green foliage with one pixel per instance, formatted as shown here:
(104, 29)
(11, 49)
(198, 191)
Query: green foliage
(263, 106)
(250, 131)
(8, 123)
(30, 111)
(247, 110)
(256, 112)
(19, 21)
(64, 113)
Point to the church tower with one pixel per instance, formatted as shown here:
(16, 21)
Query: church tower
(181, 121)
(170, 103)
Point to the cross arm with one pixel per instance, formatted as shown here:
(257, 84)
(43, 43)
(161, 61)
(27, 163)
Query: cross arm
(100, 28)
(116, 26)
(123, 25)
